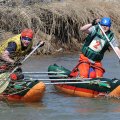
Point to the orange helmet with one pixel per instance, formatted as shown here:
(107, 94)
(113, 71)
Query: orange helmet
(27, 33)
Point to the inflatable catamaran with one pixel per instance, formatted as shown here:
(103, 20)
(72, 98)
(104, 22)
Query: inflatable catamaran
(86, 87)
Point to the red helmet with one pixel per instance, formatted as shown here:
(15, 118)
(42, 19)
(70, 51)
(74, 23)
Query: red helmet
(27, 33)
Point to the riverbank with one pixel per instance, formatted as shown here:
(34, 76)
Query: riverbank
(57, 23)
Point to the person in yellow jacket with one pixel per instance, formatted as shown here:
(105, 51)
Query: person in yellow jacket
(14, 48)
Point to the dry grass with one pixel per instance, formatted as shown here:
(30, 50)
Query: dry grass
(58, 23)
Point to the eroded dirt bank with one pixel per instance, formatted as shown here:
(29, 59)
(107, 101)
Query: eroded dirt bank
(56, 22)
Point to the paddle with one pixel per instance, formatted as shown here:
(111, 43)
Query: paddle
(5, 80)
(39, 45)
(118, 55)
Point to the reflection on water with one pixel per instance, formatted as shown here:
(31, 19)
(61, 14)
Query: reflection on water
(101, 105)
(61, 106)
(36, 105)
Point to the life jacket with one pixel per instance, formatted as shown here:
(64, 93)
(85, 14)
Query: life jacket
(19, 52)
(96, 44)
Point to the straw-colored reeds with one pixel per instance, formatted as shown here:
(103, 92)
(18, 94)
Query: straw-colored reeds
(58, 23)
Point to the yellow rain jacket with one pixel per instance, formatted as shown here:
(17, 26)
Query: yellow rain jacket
(19, 52)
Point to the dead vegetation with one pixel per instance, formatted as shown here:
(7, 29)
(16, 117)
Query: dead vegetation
(58, 23)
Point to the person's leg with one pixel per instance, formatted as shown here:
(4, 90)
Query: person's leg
(83, 68)
(99, 69)
(74, 72)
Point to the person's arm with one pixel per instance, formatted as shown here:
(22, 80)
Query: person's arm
(11, 48)
(85, 28)
(88, 28)
(5, 57)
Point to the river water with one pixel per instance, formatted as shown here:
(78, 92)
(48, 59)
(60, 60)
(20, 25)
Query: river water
(58, 106)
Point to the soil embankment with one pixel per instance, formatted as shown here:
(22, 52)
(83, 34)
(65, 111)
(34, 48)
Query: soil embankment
(57, 22)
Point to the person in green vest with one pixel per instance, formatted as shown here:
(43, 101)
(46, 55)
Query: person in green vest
(16, 47)
(94, 47)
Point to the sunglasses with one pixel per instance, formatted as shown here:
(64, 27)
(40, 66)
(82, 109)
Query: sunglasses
(26, 38)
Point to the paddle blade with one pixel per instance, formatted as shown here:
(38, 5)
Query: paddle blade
(4, 81)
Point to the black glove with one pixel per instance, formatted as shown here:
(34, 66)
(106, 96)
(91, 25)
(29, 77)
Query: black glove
(17, 63)
(94, 22)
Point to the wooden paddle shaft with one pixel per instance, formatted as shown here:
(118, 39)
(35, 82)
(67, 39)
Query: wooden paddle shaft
(27, 57)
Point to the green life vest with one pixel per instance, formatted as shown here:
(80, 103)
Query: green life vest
(96, 44)
(19, 52)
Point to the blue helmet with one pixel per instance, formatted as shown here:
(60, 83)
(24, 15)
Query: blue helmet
(106, 22)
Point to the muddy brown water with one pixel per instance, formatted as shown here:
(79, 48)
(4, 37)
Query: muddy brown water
(57, 106)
